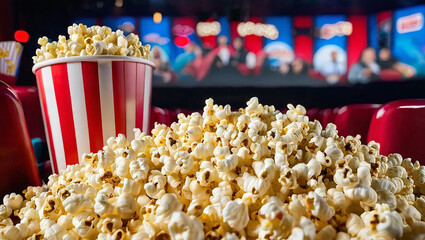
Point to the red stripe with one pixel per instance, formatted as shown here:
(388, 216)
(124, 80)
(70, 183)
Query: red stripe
(383, 16)
(253, 43)
(209, 41)
(140, 93)
(118, 77)
(46, 118)
(92, 97)
(303, 44)
(63, 101)
(303, 22)
(233, 31)
(303, 48)
(357, 40)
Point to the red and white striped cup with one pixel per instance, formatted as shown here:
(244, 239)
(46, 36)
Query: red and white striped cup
(85, 100)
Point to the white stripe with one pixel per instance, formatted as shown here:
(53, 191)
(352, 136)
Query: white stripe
(130, 109)
(147, 98)
(106, 91)
(79, 112)
(46, 130)
(52, 110)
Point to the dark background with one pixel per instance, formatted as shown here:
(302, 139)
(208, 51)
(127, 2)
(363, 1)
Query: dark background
(51, 18)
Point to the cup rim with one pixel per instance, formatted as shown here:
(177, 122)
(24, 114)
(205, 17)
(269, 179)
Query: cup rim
(91, 58)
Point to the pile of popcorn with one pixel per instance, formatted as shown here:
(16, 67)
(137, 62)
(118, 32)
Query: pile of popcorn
(252, 174)
(94, 40)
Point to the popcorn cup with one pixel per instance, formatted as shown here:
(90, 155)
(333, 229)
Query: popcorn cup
(85, 100)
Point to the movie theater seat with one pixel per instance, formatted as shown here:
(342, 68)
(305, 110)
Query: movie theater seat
(32, 110)
(390, 75)
(355, 119)
(161, 116)
(327, 116)
(17, 160)
(399, 128)
(313, 114)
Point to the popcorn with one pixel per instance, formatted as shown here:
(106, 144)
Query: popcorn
(251, 174)
(93, 40)
(236, 214)
(168, 204)
(319, 207)
(85, 223)
(326, 233)
(126, 205)
(13, 200)
(183, 227)
(5, 212)
(275, 220)
(155, 187)
(10, 232)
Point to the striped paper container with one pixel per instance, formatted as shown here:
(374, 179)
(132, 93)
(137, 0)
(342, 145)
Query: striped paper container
(10, 57)
(85, 100)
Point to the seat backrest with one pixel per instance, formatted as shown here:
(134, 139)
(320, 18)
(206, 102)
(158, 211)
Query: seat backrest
(28, 96)
(355, 119)
(327, 116)
(390, 75)
(11, 80)
(161, 116)
(316, 75)
(313, 114)
(399, 128)
(18, 167)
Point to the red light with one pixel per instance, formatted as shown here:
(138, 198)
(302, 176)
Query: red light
(181, 41)
(21, 36)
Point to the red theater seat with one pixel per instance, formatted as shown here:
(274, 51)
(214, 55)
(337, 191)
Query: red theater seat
(313, 114)
(162, 116)
(184, 111)
(399, 127)
(327, 116)
(32, 110)
(316, 75)
(18, 167)
(390, 75)
(355, 119)
(11, 80)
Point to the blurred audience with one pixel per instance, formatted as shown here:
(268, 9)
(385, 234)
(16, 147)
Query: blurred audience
(223, 56)
(191, 52)
(333, 70)
(298, 67)
(198, 62)
(284, 69)
(366, 69)
(240, 53)
(388, 62)
(163, 68)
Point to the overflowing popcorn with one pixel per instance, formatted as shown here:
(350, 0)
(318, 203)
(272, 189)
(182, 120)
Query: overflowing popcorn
(94, 40)
(252, 174)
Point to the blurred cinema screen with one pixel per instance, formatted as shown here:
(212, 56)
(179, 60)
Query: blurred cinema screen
(276, 51)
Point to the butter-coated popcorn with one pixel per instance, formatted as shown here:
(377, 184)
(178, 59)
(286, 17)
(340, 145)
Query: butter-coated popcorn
(235, 213)
(182, 226)
(94, 40)
(5, 212)
(155, 187)
(76, 203)
(326, 233)
(13, 200)
(275, 220)
(319, 207)
(251, 174)
(10, 232)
